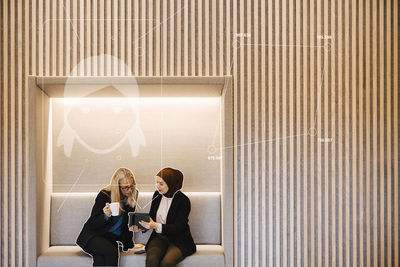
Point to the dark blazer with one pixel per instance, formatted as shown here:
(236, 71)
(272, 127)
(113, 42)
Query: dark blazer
(176, 228)
(97, 225)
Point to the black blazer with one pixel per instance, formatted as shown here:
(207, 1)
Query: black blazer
(97, 225)
(176, 228)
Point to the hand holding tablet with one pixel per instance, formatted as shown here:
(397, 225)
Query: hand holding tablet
(135, 218)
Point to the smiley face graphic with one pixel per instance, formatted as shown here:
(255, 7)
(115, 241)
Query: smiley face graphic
(99, 124)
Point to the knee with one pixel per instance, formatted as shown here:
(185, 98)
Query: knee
(112, 252)
(98, 260)
(168, 263)
(152, 262)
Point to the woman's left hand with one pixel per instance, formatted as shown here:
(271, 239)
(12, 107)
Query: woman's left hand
(149, 225)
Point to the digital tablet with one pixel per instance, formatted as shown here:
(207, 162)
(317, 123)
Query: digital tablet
(135, 218)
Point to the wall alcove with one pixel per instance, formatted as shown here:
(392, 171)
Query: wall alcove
(85, 127)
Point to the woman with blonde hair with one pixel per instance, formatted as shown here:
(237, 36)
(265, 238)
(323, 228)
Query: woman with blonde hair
(101, 231)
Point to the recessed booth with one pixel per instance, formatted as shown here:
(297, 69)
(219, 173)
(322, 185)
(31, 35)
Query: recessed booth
(87, 127)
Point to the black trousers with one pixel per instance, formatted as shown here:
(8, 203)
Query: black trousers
(104, 250)
(161, 252)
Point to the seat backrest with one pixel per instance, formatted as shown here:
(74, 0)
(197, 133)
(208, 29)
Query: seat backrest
(69, 211)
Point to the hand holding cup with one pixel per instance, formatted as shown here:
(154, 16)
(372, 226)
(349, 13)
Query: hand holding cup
(107, 210)
(114, 207)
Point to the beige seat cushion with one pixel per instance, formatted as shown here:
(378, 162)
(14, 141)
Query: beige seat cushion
(67, 256)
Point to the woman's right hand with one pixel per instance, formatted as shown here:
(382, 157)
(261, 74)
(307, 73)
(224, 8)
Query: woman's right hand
(107, 210)
(134, 228)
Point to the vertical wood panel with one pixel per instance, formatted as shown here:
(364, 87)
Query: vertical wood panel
(95, 40)
(122, 22)
(283, 116)
(213, 60)
(100, 35)
(164, 36)
(24, 163)
(19, 160)
(354, 105)
(53, 25)
(135, 36)
(68, 26)
(361, 188)
(12, 98)
(291, 89)
(88, 43)
(114, 38)
(170, 35)
(326, 254)
(150, 28)
(4, 120)
(2, 89)
(108, 15)
(192, 38)
(74, 37)
(199, 39)
(389, 183)
(185, 67)
(368, 138)
(346, 82)
(320, 133)
(236, 200)
(298, 154)
(60, 39)
(5, 157)
(128, 43)
(254, 92)
(241, 132)
(33, 39)
(270, 136)
(277, 163)
(228, 23)
(81, 35)
(396, 174)
(178, 25)
(264, 136)
(381, 144)
(340, 226)
(158, 40)
(333, 86)
(305, 138)
(247, 117)
(40, 25)
(374, 135)
(46, 41)
(311, 104)
(206, 36)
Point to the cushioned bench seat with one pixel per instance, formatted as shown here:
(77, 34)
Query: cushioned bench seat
(68, 256)
(69, 211)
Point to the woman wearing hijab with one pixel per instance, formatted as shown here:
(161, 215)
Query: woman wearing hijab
(101, 231)
(171, 240)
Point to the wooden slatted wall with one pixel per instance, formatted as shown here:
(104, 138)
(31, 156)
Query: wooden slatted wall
(316, 112)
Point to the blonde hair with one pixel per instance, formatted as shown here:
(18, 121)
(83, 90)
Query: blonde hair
(113, 187)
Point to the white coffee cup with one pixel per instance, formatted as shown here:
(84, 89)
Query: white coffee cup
(114, 207)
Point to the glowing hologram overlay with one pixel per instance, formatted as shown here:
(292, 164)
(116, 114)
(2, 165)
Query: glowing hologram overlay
(313, 131)
(80, 99)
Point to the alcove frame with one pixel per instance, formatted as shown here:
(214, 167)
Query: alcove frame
(41, 89)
